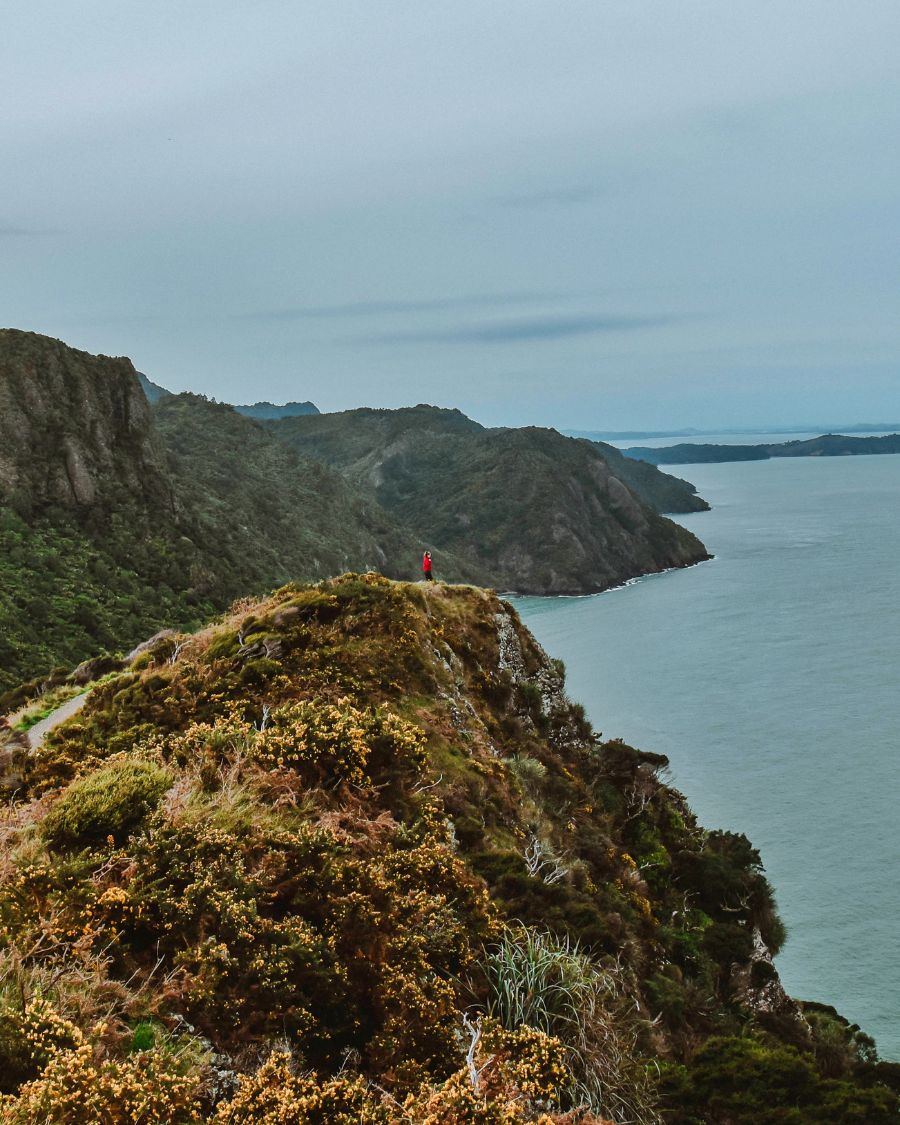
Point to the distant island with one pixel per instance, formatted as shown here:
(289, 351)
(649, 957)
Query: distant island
(827, 445)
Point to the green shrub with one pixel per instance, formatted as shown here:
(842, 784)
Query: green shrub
(108, 802)
(143, 1037)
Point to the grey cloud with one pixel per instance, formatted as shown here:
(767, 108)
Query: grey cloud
(515, 331)
(352, 309)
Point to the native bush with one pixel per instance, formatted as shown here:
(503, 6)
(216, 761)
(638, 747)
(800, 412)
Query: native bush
(839, 1046)
(108, 802)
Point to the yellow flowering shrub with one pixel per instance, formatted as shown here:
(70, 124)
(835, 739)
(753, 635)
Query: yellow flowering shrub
(28, 1038)
(277, 1096)
(520, 1076)
(331, 743)
(77, 1085)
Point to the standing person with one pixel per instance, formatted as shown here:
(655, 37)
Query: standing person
(426, 567)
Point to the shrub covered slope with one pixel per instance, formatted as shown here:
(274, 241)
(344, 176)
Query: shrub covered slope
(349, 855)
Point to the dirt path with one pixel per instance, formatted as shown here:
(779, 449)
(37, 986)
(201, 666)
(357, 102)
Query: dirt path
(40, 730)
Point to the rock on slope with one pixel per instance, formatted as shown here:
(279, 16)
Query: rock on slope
(350, 855)
(531, 510)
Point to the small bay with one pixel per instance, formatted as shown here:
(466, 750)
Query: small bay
(769, 677)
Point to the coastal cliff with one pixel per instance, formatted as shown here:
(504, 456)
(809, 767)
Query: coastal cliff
(527, 509)
(76, 431)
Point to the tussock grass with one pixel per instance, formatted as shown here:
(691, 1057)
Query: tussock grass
(538, 980)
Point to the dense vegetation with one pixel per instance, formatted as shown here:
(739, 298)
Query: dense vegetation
(350, 855)
(260, 513)
(115, 523)
(70, 588)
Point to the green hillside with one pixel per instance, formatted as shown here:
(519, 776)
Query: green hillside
(529, 509)
(117, 520)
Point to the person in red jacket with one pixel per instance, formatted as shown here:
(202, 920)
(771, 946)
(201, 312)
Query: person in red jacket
(426, 567)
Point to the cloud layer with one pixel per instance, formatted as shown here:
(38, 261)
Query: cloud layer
(607, 216)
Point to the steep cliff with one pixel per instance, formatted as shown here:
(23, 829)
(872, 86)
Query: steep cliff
(350, 855)
(76, 430)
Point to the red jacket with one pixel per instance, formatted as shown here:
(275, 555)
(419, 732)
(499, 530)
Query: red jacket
(426, 564)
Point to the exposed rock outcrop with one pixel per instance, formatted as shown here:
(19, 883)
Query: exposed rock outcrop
(75, 429)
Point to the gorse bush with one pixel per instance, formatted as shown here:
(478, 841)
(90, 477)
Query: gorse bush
(30, 1034)
(275, 1095)
(336, 742)
(74, 1082)
(515, 1078)
(326, 743)
(108, 802)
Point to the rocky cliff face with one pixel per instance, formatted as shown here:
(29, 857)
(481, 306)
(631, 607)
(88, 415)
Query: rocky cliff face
(75, 429)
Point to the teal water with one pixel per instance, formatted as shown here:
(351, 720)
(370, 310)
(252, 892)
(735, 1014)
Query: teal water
(769, 677)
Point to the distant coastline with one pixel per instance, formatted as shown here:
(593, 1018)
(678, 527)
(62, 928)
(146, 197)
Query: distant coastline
(692, 432)
(826, 445)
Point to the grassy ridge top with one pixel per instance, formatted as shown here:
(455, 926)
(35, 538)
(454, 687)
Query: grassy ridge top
(349, 854)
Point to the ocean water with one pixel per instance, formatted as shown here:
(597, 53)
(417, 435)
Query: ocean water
(770, 677)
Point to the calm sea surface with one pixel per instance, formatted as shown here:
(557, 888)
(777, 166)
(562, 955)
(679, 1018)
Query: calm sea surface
(771, 679)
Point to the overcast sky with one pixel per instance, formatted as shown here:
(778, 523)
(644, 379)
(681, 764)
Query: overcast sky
(600, 214)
